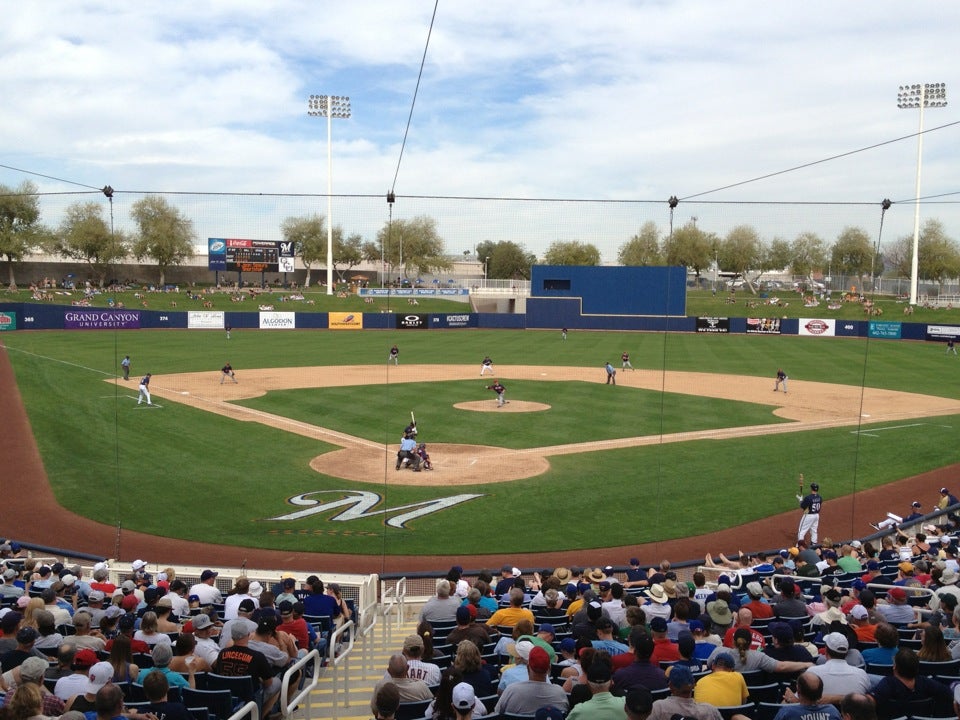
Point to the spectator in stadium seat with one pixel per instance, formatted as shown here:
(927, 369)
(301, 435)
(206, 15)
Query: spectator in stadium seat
(806, 702)
(860, 622)
(51, 597)
(838, 676)
(724, 686)
(84, 635)
(241, 659)
(385, 702)
(244, 612)
(162, 655)
(603, 705)
(681, 702)
(641, 672)
(417, 668)
(203, 630)
(506, 581)
(185, 655)
(473, 671)
(605, 641)
(896, 610)
(527, 696)
(206, 590)
(680, 621)
(286, 590)
(441, 608)
(467, 629)
(8, 589)
(237, 594)
(518, 671)
(76, 683)
(31, 671)
(663, 649)
(410, 690)
(744, 620)
(658, 603)
(508, 616)
(784, 645)
(295, 626)
(900, 693)
(317, 602)
(156, 686)
(757, 606)
(177, 592)
(746, 659)
(789, 605)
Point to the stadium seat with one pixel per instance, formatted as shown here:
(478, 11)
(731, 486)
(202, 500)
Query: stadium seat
(728, 711)
(217, 702)
(931, 668)
(412, 710)
(766, 710)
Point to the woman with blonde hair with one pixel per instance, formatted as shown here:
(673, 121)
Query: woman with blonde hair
(26, 704)
(29, 612)
(149, 631)
(469, 662)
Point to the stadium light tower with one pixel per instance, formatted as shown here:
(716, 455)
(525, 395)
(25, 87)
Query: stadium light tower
(330, 107)
(919, 97)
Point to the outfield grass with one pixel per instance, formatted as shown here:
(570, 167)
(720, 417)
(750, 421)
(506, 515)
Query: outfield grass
(221, 480)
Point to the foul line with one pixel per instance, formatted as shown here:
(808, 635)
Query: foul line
(892, 427)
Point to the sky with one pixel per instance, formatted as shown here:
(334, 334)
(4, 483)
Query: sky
(624, 103)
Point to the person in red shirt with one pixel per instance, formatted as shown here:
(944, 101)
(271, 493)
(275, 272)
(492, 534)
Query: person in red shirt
(663, 649)
(744, 619)
(126, 626)
(296, 626)
(756, 605)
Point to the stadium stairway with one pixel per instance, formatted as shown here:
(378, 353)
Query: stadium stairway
(355, 679)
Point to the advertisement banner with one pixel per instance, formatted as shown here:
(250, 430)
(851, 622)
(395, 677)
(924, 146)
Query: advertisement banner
(878, 329)
(95, 319)
(411, 321)
(817, 327)
(943, 332)
(345, 321)
(713, 325)
(452, 321)
(763, 326)
(205, 320)
(278, 320)
(8, 321)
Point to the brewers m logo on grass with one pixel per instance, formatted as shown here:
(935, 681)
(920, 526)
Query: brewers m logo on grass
(359, 504)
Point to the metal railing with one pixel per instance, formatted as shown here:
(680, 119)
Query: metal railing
(335, 660)
(249, 710)
(287, 704)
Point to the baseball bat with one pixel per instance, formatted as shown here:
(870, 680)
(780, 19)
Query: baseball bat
(412, 418)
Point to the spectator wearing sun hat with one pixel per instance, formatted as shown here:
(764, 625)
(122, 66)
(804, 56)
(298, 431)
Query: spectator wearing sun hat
(658, 602)
(526, 696)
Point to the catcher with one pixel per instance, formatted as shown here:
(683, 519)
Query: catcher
(424, 457)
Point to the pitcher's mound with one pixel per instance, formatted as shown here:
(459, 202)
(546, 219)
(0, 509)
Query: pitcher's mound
(511, 406)
(454, 465)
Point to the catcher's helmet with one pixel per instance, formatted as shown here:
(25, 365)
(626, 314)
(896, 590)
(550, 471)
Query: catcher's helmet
(814, 487)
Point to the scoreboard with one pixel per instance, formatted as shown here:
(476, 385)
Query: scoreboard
(250, 255)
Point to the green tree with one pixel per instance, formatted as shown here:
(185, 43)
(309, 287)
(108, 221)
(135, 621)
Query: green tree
(309, 237)
(20, 229)
(643, 248)
(778, 255)
(939, 257)
(506, 259)
(852, 252)
(164, 234)
(85, 235)
(347, 252)
(899, 256)
(739, 252)
(571, 252)
(809, 254)
(413, 244)
(691, 247)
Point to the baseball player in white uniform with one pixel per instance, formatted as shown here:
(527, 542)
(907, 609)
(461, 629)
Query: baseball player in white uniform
(144, 390)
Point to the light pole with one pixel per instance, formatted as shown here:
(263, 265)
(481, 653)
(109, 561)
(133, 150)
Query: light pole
(329, 106)
(910, 97)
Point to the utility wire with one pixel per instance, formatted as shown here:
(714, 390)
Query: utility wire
(818, 162)
(413, 100)
(50, 177)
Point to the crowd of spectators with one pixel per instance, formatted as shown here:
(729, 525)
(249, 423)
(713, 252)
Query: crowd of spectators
(72, 640)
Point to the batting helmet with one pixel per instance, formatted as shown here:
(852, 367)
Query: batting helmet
(815, 487)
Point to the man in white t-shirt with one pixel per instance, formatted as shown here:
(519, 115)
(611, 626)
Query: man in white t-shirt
(206, 589)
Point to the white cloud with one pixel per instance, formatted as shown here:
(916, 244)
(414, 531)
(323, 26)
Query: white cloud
(613, 100)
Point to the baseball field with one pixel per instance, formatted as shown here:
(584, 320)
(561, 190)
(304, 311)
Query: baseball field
(298, 456)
